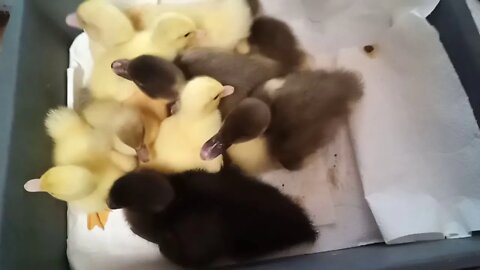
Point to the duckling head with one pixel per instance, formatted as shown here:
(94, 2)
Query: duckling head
(66, 183)
(203, 95)
(143, 191)
(249, 120)
(175, 30)
(155, 76)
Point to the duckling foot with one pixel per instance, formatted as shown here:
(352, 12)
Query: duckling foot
(98, 219)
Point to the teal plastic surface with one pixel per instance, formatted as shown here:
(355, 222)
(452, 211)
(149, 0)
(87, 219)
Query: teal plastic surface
(32, 80)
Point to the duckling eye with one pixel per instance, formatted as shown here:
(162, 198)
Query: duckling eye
(187, 34)
(216, 97)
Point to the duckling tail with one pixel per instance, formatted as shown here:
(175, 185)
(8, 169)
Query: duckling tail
(62, 121)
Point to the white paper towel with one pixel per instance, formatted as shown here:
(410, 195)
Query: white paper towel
(333, 24)
(416, 139)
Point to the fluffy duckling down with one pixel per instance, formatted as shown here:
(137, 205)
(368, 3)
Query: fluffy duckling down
(131, 131)
(84, 188)
(86, 157)
(76, 141)
(181, 137)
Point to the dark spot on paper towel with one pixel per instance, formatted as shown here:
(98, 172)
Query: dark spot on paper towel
(336, 155)
(283, 185)
(370, 50)
(332, 178)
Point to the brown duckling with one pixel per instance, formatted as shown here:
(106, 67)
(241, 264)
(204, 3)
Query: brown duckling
(274, 39)
(197, 218)
(249, 120)
(155, 76)
(307, 108)
(243, 72)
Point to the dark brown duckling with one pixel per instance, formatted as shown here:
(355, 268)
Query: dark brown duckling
(307, 112)
(307, 109)
(248, 120)
(155, 76)
(197, 218)
(274, 39)
(243, 72)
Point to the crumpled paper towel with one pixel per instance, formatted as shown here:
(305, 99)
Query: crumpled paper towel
(414, 133)
(346, 23)
(416, 138)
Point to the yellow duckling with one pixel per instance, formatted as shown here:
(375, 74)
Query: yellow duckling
(85, 189)
(223, 23)
(82, 143)
(181, 137)
(85, 155)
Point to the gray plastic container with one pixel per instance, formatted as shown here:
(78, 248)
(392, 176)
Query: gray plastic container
(33, 79)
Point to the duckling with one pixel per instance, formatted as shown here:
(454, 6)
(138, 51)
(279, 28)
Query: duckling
(274, 39)
(197, 218)
(96, 17)
(155, 76)
(83, 140)
(159, 78)
(78, 142)
(132, 134)
(249, 120)
(223, 23)
(243, 72)
(169, 34)
(243, 129)
(307, 108)
(85, 188)
(75, 140)
(181, 136)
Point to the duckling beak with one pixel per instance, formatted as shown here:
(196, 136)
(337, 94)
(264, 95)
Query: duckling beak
(199, 38)
(213, 148)
(143, 154)
(172, 108)
(73, 21)
(120, 67)
(228, 90)
(33, 185)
